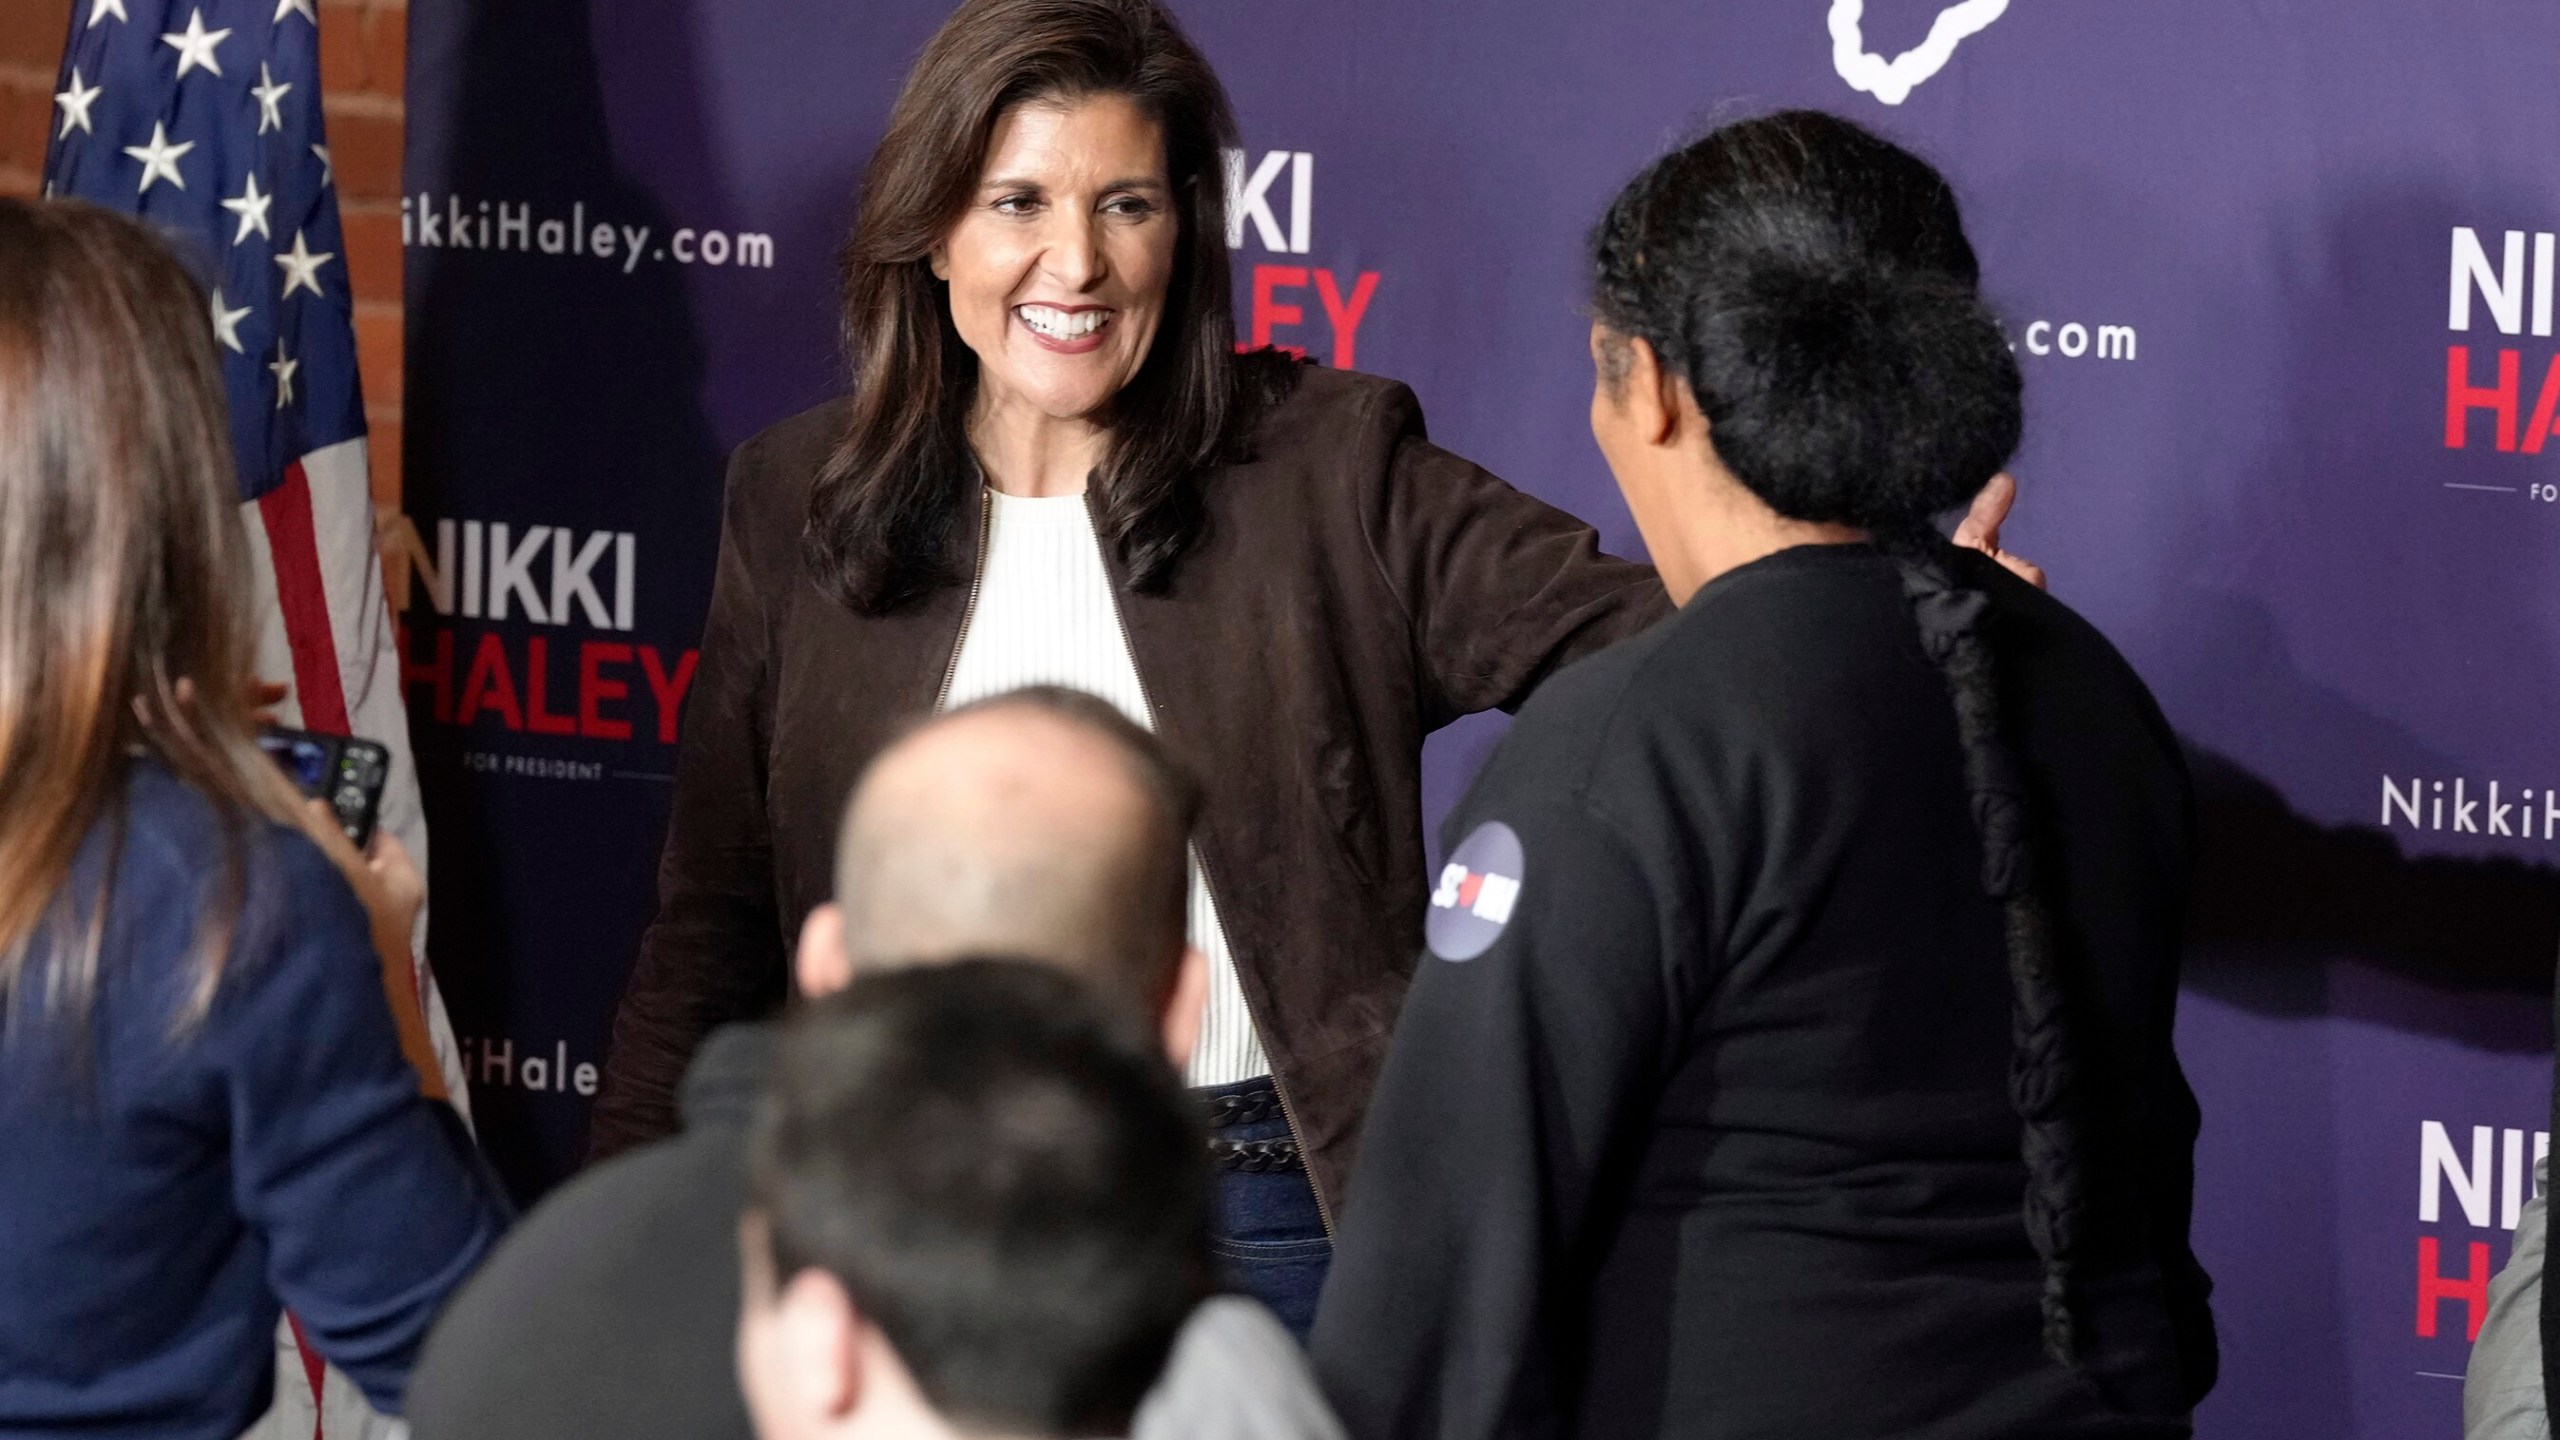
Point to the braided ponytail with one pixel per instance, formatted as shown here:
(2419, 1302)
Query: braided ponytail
(1813, 285)
(2041, 1089)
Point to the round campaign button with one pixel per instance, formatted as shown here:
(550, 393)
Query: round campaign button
(1477, 890)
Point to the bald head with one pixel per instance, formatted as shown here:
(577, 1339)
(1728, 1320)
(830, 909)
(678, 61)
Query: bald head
(1042, 824)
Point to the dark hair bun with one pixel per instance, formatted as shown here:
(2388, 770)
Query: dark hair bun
(1813, 284)
(1864, 397)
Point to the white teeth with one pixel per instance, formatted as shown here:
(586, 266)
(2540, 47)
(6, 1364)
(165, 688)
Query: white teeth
(1059, 324)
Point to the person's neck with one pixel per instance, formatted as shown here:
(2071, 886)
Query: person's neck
(904, 1422)
(1027, 453)
(1700, 531)
(904, 1414)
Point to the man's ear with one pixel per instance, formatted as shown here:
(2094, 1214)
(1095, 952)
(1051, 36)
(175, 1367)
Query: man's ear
(1183, 1005)
(800, 1342)
(823, 1339)
(822, 966)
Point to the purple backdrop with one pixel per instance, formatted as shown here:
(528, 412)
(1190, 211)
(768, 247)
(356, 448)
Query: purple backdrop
(2251, 255)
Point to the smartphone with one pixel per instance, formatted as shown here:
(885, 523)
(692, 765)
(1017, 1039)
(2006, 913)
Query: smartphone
(347, 773)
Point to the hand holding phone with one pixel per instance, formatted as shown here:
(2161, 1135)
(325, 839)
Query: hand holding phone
(387, 883)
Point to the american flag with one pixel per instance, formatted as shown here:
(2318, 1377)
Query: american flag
(203, 117)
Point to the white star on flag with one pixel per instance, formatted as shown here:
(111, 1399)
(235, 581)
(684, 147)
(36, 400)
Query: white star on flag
(226, 323)
(288, 7)
(160, 158)
(283, 368)
(104, 8)
(195, 46)
(302, 267)
(75, 106)
(323, 152)
(251, 207)
(268, 93)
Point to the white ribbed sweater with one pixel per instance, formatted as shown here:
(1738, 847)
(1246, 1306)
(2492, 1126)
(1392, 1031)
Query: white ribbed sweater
(1045, 615)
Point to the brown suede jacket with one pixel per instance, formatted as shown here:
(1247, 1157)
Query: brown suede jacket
(1356, 588)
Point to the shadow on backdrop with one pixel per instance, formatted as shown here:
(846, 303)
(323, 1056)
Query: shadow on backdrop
(2332, 333)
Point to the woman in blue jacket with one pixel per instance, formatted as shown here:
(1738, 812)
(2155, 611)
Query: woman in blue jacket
(216, 1096)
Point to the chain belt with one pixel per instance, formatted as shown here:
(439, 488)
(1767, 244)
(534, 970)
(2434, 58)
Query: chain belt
(1253, 1105)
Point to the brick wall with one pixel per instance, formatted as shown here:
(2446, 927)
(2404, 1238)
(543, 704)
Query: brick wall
(363, 50)
(31, 34)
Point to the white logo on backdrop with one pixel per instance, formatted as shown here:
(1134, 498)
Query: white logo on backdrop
(1892, 81)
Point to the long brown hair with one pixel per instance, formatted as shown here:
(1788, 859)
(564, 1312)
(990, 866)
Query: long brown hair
(883, 511)
(123, 570)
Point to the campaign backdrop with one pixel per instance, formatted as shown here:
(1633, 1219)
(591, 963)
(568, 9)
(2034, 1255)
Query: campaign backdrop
(2281, 279)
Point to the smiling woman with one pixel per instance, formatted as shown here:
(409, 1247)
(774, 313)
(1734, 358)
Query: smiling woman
(1055, 468)
(1066, 155)
(1057, 278)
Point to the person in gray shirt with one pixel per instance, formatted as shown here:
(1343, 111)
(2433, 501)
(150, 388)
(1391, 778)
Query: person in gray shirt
(2502, 1397)
(1042, 824)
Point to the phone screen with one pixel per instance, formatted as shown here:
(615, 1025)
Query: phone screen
(304, 760)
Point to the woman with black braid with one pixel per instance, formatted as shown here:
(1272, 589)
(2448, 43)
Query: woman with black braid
(1792, 1057)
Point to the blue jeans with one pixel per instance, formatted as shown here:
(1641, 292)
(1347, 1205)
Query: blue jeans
(1266, 1232)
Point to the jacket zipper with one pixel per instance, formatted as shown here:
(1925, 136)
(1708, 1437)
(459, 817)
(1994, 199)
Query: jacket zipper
(1324, 1209)
(969, 611)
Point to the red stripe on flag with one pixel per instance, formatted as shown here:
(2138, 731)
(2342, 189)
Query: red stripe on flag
(286, 512)
(314, 1369)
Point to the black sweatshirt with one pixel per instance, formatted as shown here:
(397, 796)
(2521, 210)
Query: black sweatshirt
(1697, 1120)
(613, 1309)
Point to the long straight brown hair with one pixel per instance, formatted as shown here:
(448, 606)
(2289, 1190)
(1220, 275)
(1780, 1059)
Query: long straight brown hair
(882, 512)
(124, 571)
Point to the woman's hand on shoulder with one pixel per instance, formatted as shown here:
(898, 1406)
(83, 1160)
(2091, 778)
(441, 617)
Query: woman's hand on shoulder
(1980, 529)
